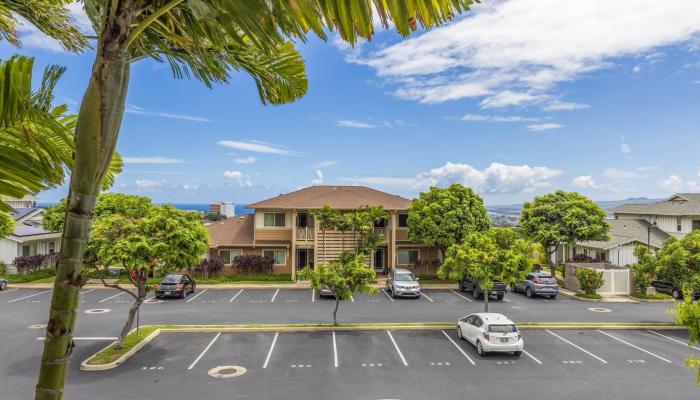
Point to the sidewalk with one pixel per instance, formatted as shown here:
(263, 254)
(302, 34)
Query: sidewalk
(605, 299)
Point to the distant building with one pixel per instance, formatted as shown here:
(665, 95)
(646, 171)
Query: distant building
(24, 202)
(223, 208)
(29, 237)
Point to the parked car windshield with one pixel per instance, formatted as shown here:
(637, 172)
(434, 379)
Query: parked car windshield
(172, 279)
(503, 328)
(405, 277)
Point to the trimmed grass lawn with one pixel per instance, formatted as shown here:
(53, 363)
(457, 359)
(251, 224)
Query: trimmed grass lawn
(592, 296)
(37, 276)
(657, 296)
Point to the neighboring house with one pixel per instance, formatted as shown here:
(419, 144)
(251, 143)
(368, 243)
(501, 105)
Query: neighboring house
(28, 237)
(624, 234)
(678, 215)
(24, 202)
(283, 228)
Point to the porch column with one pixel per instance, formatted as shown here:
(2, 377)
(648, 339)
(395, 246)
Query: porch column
(294, 245)
(392, 244)
(316, 233)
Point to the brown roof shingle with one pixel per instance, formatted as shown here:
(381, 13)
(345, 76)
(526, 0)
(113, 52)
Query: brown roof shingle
(234, 231)
(339, 197)
(678, 204)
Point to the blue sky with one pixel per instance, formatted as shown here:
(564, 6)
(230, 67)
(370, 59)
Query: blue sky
(516, 98)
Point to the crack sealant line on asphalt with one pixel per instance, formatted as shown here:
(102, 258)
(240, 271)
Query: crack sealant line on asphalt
(673, 339)
(31, 295)
(633, 346)
(462, 296)
(204, 351)
(396, 346)
(576, 346)
(458, 348)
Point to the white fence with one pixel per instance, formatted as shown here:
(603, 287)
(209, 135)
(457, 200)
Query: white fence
(617, 282)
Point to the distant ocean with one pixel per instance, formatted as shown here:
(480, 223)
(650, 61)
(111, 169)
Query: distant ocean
(239, 208)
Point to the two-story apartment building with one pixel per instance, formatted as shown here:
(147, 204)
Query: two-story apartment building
(284, 228)
(647, 224)
(29, 237)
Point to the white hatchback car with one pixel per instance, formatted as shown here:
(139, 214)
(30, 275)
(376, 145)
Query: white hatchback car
(490, 332)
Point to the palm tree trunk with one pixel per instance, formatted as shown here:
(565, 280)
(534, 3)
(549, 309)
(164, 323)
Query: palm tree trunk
(97, 129)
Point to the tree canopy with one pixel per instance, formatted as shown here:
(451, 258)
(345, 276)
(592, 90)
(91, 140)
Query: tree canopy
(496, 254)
(678, 261)
(7, 224)
(443, 217)
(563, 217)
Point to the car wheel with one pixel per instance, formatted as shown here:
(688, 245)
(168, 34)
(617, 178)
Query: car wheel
(500, 297)
(528, 292)
(517, 353)
(3, 285)
(554, 296)
(461, 287)
(159, 297)
(459, 333)
(675, 294)
(480, 349)
(184, 293)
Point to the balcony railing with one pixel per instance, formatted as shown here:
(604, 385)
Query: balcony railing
(380, 231)
(305, 234)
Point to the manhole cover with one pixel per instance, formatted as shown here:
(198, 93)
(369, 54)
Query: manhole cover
(37, 326)
(97, 311)
(227, 371)
(599, 309)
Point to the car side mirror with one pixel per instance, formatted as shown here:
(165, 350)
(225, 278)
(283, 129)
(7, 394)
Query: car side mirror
(417, 279)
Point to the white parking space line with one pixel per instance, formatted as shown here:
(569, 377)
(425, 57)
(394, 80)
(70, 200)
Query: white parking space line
(674, 340)
(204, 351)
(458, 348)
(387, 295)
(462, 296)
(272, 347)
(335, 351)
(111, 297)
(396, 346)
(8, 291)
(31, 295)
(506, 300)
(105, 338)
(234, 297)
(633, 346)
(196, 295)
(87, 291)
(426, 296)
(580, 348)
(313, 295)
(274, 295)
(533, 357)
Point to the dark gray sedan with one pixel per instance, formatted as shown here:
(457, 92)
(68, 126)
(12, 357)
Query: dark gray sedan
(537, 284)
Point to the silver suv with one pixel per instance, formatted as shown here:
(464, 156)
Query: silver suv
(538, 284)
(402, 283)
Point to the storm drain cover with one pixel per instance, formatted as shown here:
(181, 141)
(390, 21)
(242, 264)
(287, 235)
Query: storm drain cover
(599, 309)
(227, 371)
(97, 311)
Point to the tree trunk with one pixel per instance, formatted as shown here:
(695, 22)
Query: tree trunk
(99, 120)
(129, 321)
(335, 311)
(552, 266)
(486, 300)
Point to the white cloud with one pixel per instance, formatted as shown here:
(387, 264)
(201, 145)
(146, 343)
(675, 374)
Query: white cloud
(646, 168)
(148, 185)
(152, 160)
(132, 109)
(543, 127)
(677, 183)
(516, 52)
(637, 68)
(557, 105)
(496, 178)
(349, 123)
(585, 182)
(319, 178)
(625, 148)
(614, 173)
(245, 160)
(325, 164)
(497, 118)
(238, 178)
(257, 147)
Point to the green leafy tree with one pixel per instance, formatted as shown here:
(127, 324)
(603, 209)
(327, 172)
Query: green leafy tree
(678, 261)
(563, 217)
(206, 39)
(589, 280)
(344, 277)
(49, 16)
(166, 239)
(687, 313)
(444, 217)
(361, 221)
(496, 254)
(644, 270)
(7, 224)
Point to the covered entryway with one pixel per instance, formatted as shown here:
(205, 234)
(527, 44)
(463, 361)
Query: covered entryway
(380, 260)
(304, 258)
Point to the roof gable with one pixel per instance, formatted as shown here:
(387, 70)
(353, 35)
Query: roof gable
(680, 204)
(339, 197)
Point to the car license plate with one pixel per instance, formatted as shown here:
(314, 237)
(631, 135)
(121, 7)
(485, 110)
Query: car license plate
(166, 292)
(504, 340)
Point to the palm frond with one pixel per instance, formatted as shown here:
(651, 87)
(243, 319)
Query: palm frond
(49, 16)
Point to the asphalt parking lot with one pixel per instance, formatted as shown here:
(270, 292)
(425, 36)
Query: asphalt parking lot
(370, 365)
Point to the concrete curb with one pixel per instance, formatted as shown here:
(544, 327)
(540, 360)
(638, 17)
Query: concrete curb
(297, 285)
(84, 366)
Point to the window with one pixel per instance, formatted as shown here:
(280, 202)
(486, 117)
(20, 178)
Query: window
(408, 257)
(303, 220)
(679, 225)
(403, 220)
(280, 256)
(229, 255)
(52, 247)
(26, 250)
(274, 219)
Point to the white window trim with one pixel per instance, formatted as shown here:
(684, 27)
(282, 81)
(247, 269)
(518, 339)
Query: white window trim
(273, 250)
(398, 259)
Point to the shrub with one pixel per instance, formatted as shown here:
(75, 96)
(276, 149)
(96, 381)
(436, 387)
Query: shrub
(589, 280)
(26, 264)
(254, 264)
(3, 268)
(210, 266)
